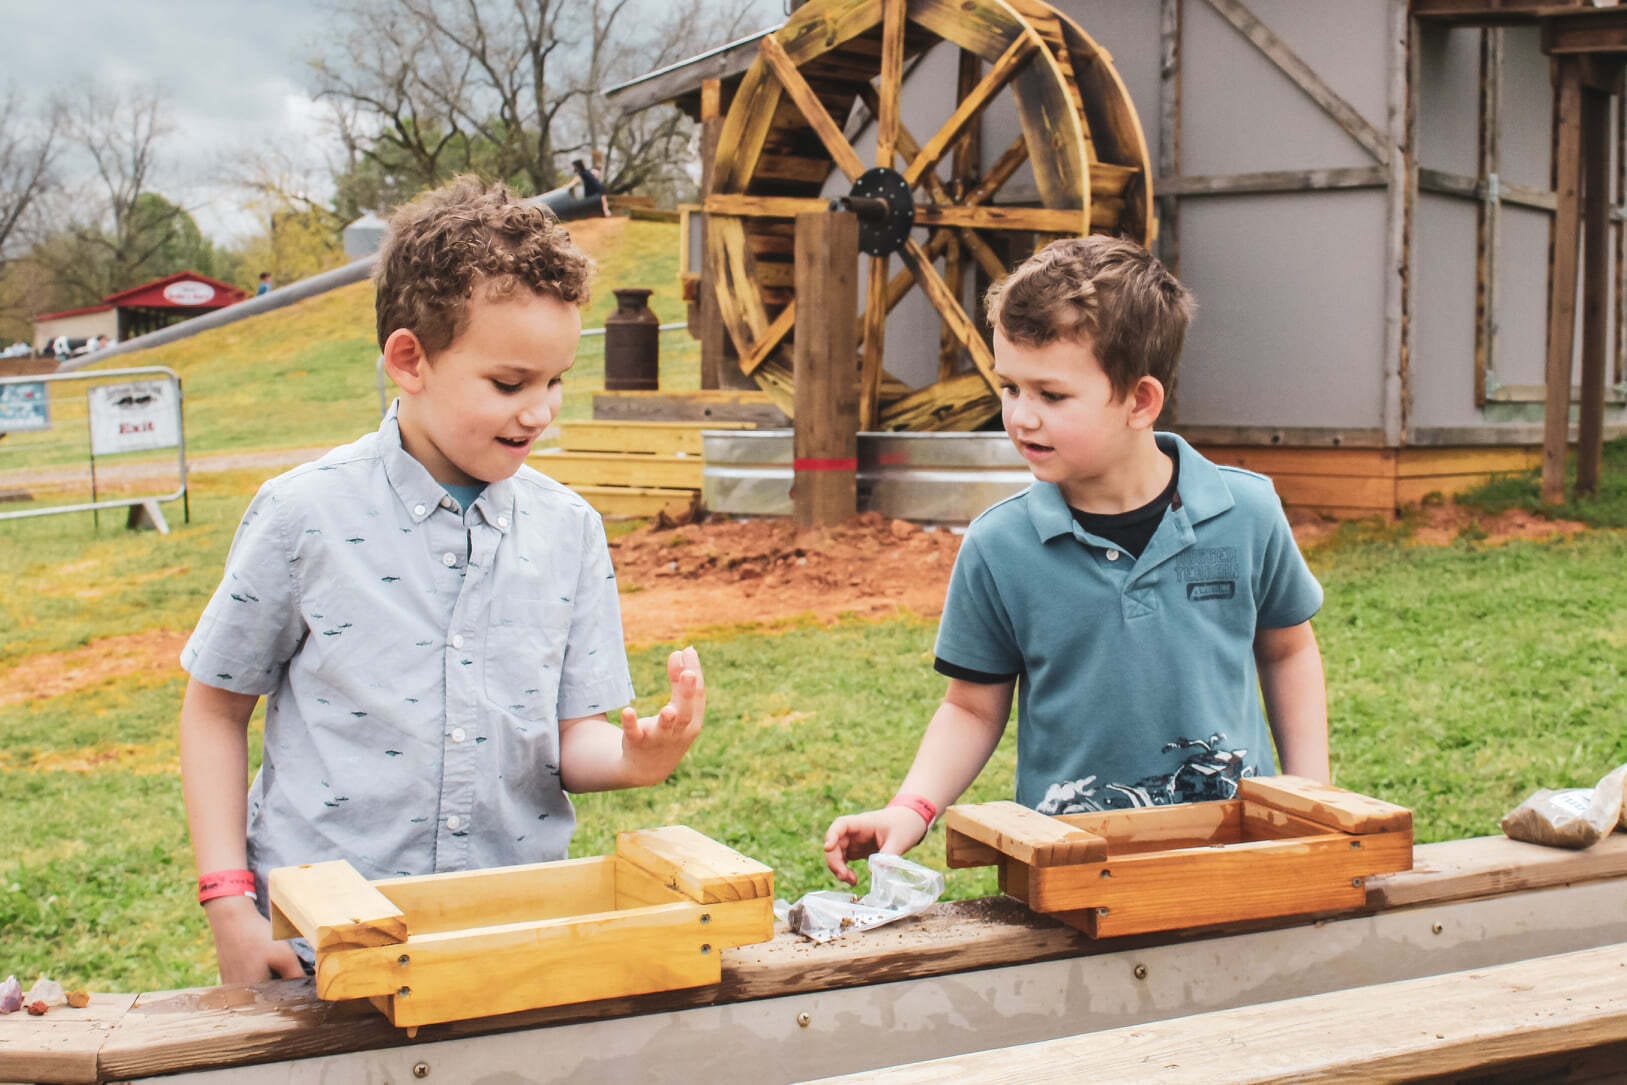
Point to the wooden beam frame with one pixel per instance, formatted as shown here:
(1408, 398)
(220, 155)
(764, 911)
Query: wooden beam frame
(1303, 76)
(1488, 214)
(1567, 162)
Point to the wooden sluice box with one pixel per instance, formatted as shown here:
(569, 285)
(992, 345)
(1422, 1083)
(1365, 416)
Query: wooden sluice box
(1284, 846)
(655, 916)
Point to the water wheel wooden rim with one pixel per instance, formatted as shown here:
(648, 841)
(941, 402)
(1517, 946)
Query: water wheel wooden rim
(784, 135)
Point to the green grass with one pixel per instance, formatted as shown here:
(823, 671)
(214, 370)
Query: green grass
(1607, 508)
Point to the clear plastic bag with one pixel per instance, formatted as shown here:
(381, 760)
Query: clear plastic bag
(1572, 817)
(898, 887)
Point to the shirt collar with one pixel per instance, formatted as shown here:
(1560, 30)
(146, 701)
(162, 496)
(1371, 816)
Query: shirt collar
(1202, 490)
(417, 489)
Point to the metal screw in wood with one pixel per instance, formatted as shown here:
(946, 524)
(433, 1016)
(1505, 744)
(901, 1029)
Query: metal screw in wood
(420, 1069)
(706, 947)
(804, 1019)
(403, 959)
(404, 992)
(1141, 971)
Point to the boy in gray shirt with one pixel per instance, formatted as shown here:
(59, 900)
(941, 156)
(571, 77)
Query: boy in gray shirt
(434, 624)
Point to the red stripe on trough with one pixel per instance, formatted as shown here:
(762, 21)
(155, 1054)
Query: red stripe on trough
(849, 464)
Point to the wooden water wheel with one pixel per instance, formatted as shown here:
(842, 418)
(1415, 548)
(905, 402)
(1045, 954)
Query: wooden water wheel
(836, 68)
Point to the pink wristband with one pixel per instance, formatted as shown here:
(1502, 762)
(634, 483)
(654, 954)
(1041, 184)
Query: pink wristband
(919, 804)
(226, 883)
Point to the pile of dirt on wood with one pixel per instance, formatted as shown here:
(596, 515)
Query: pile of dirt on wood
(727, 572)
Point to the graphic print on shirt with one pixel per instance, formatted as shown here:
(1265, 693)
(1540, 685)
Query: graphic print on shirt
(1210, 574)
(1207, 771)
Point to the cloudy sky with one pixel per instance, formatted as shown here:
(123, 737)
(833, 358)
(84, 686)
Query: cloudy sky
(234, 74)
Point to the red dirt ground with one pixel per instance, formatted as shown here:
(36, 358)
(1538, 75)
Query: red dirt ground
(680, 581)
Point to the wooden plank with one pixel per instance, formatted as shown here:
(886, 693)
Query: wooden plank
(456, 975)
(814, 30)
(1200, 887)
(893, 14)
(874, 327)
(1562, 275)
(1267, 823)
(696, 865)
(745, 128)
(948, 306)
(1170, 18)
(1414, 462)
(1488, 213)
(707, 405)
(620, 469)
(660, 438)
(1024, 834)
(1352, 462)
(1326, 804)
(636, 887)
(1303, 76)
(637, 502)
(1485, 865)
(1458, 1026)
(1161, 828)
(767, 206)
(488, 898)
(985, 29)
(62, 1046)
(1313, 491)
(739, 302)
(333, 907)
(1238, 184)
(825, 364)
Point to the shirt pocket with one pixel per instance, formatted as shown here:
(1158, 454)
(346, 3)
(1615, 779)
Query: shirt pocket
(525, 653)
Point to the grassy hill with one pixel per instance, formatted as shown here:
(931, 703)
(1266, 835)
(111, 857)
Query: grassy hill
(305, 376)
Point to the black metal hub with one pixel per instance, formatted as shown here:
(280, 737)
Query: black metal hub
(884, 233)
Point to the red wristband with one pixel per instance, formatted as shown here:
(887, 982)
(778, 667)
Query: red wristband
(919, 804)
(226, 883)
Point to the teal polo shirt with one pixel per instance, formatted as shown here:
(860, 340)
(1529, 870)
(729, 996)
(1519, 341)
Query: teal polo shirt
(1136, 678)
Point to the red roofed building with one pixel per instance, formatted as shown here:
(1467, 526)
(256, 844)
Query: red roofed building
(138, 310)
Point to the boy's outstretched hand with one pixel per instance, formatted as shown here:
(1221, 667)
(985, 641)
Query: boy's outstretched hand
(893, 830)
(652, 746)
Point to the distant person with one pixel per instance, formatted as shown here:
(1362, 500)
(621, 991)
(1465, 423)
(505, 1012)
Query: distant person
(591, 185)
(62, 347)
(434, 624)
(265, 284)
(1139, 602)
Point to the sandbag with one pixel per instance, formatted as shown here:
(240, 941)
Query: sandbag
(1572, 817)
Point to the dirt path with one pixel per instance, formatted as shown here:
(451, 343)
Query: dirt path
(735, 576)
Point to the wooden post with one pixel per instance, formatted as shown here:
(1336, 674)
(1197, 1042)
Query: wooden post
(825, 369)
(1562, 274)
(719, 367)
(1595, 287)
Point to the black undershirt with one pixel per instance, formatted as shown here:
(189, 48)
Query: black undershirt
(1129, 531)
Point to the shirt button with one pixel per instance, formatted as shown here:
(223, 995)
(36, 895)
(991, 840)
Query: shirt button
(419, 510)
(454, 823)
(449, 559)
(502, 521)
(446, 502)
(457, 640)
(1112, 555)
(457, 734)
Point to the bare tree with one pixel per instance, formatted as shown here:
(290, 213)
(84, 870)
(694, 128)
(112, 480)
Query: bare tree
(28, 151)
(510, 88)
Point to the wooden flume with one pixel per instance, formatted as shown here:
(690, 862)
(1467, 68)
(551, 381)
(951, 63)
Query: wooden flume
(835, 69)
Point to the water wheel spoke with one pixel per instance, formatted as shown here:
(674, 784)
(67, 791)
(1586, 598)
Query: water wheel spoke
(875, 338)
(1007, 164)
(813, 110)
(949, 308)
(1043, 220)
(906, 146)
(892, 80)
(986, 258)
(770, 339)
(999, 74)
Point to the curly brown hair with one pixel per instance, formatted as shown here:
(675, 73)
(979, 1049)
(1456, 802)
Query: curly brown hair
(467, 234)
(1106, 292)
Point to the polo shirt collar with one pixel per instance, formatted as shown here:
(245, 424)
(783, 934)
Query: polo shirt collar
(418, 491)
(1202, 490)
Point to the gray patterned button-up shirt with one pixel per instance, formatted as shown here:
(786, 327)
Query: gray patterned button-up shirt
(416, 658)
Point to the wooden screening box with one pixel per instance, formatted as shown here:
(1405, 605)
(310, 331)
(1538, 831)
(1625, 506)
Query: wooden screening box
(655, 916)
(1284, 846)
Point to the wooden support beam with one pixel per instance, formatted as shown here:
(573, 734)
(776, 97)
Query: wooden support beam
(1238, 184)
(718, 367)
(1595, 287)
(1562, 274)
(1170, 14)
(1488, 213)
(1303, 76)
(826, 439)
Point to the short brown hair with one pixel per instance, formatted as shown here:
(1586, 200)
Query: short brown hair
(444, 243)
(1106, 292)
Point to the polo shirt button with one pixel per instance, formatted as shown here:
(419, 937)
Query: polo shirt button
(449, 559)
(454, 823)
(419, 510)
(502, 521)
(446, 502)
(457, 734)
(1112, 555)
(457, 640)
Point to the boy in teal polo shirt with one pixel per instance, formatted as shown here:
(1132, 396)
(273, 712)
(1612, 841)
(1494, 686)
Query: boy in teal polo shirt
(1139, 600)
